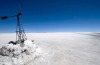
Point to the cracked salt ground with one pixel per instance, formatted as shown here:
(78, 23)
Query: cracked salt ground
(16, 55)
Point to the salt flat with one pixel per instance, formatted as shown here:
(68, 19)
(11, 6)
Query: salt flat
(79, 48)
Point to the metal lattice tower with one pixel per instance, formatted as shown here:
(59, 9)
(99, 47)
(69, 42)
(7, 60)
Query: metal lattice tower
(20, 33)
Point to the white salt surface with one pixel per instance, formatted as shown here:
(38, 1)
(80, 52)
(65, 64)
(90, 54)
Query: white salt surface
(16, 55)
(62, 48)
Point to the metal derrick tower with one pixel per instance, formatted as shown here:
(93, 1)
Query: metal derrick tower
(20, 33)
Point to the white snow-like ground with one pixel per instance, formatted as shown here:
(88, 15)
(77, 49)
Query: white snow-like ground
(63, 48)
(19, 54)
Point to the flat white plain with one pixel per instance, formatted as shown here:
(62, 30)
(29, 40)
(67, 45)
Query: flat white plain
(63, 48)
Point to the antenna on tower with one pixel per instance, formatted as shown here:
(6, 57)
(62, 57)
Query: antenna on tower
(20, 33)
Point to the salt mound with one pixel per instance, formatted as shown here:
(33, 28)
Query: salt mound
(19, 54)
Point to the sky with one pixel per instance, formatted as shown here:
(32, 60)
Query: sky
(51, 15)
